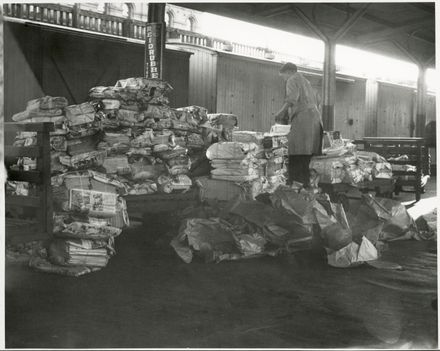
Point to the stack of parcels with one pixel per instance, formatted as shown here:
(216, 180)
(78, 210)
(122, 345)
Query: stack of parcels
(252, 164)
(287, 221)
(150, 146)
(45, 109)
(276, 148)
(127, 132)
(234, 161)
(351, 168)
(89, 214)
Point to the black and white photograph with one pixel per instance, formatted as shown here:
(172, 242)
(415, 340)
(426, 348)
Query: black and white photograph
(218, 175)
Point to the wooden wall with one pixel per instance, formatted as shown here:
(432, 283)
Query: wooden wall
(41, 61)
(203, 78)
(350, 108)
(395, 110)
(249, 88)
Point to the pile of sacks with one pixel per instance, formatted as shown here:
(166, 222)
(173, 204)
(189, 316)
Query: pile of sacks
(287, 220)
(353, 167)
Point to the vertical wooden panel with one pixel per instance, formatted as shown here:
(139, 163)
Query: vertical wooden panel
(395, 110)
(202, 78)
(350, 108)
(249, 88)
(371, 94)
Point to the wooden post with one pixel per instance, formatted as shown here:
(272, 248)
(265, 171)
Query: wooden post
(43, 166)
(329, 86)
(421, 102)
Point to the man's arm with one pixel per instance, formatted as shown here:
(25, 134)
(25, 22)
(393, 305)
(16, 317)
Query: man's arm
(292, 96)
(279, 116)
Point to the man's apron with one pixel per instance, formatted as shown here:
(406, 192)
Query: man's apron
(305, 137)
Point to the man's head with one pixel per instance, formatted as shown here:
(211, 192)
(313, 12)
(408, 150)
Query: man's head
(287, 70)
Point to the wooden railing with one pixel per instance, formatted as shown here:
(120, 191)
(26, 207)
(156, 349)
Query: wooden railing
(75, 17)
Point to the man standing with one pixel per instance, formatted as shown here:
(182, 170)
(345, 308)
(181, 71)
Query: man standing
(301, 110)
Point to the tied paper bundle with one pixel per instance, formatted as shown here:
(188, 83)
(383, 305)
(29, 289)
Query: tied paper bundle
(80, 252)
(67, 225)
(244, 136)
(193, 115)
(95, 203)
(80, 114)
(45, 109)
(233, 161)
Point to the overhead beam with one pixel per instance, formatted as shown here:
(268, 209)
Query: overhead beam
(374, 41)
(400, 29)
(430, 61)
(371, 18)
(351, 21)
(409, 54)
(274, 11)
(341, 8)
(309, 23)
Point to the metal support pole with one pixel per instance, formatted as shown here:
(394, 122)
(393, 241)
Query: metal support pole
(329, 86)
(421, 102)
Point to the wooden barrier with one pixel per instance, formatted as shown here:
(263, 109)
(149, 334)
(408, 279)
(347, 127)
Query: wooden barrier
(414, 148)
(19, 230)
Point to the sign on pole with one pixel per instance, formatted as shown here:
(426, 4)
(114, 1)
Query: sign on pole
(154, 44)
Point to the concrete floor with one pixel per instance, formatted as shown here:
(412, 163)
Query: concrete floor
(147, 297)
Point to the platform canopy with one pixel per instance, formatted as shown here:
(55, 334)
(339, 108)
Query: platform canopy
(403, 30)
